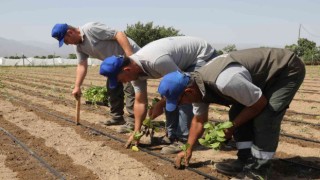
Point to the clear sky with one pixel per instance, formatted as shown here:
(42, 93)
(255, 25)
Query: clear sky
(261, 22)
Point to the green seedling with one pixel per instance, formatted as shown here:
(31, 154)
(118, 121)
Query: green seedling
(137, 135)
(149, 127)
(184, 148)
(214, 134)
(96, 94)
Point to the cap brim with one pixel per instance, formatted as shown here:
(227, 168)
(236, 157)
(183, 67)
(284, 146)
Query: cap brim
(113, 83)
(61, 42)
(171, 105)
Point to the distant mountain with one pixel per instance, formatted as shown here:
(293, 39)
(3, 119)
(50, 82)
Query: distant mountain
(30, 48)
(10, 47)
(239, 46)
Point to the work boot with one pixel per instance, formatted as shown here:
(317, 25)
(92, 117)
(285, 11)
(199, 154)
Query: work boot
(230, 168)
(126, 128)
(257, 169)
(112, 122)
(236, 166)
(173, 148)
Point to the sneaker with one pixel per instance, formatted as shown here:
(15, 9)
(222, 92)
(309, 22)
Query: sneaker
(166, 140)
(114, 122)
(163, 140)
(172, 148)
(230, 168)
(126, 128)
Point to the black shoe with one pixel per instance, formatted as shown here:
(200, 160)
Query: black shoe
(256, 174)
(114, 122)
(257, 169)
(232, 168)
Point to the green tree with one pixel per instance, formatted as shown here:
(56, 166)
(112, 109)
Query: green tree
(142, 34)
(229, 48)
(72, 56)
(219, 52)
(306, 50)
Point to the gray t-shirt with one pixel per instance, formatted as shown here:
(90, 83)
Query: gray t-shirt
(166, 55)
(234, 81)
(99, 42)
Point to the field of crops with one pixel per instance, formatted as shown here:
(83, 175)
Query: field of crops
(38, 139)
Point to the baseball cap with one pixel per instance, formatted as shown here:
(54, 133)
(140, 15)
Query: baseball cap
(110, 67)
(171, 86)
(59, 31)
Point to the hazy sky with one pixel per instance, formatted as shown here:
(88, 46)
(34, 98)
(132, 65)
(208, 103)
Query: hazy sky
(261, 22)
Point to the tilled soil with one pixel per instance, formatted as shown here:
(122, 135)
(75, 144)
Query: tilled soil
(79, 153)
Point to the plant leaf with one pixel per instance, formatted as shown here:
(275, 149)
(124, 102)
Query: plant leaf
(226, 125)
(135, 148)
(220, 133)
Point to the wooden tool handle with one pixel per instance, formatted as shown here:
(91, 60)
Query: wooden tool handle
(78, 110)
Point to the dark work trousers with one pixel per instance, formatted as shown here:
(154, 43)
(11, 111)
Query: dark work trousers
(116, 101)
(264, 129)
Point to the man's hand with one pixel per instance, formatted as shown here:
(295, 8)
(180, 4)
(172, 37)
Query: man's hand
(129, 141)
(229, 132)
(185, 156)
(76, 92)
(156, 110)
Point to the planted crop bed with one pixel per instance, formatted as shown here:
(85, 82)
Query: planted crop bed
(37, 109)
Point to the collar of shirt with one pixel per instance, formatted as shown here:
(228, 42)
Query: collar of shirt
(198, 80)
(81, 34)
(137, 60)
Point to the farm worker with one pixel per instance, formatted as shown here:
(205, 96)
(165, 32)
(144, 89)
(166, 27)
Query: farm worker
(258, 84)
(153, 61)
(99, 41)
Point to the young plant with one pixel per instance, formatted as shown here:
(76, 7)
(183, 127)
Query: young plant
(136, 137)
(214, 134)
(96, 94)
(148, 128)
(184, 148)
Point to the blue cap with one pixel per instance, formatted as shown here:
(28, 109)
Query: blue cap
(172, 86)
(59, 31)
(110, 67)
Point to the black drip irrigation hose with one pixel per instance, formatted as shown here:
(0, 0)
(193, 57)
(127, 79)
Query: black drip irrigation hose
(117, 139)
(300, 138)
(300, 122)
(300, 164)
(153, 153)
(42, 162)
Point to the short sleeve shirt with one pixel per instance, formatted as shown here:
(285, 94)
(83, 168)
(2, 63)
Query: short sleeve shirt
(235, 81)
(99, 42)
(166, 55)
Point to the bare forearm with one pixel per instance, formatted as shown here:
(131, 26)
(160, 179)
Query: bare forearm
(250, 112)
(123, 41)
(196, 129)
(140, 112)
(81, 74)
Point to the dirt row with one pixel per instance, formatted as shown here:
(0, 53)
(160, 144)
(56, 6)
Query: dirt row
(87, 115)
(70, 148)
(310, 132)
